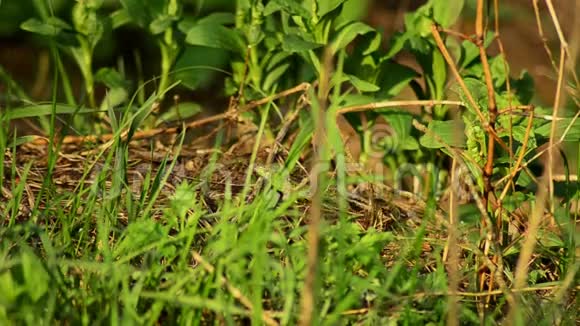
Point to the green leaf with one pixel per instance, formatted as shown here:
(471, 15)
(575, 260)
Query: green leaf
(52, 27)
(35, 276)
(215, 36)
(179, 112)
(402, 124)
(353, 10)
(370, 43)
(294, 43)
(519, 134)
(514, 201)
(478, 90)
(43, 109)
(446, 12)
(218, 18)
(347, 34)
(450, 132)
(114, 97)
(439, 73)
(396, 44)
(393, 77)
(304, 136)
(326, 6)
(419, 23)
(409, 144)
(469, 52)
(111, 78)
(561, 126)
(362, 85)
(120, 18)
(291, 7)
(276, 58)
(10, 289)
(197, 65)
(137, 11)
(138, 234)
(499, 70)
(274, 75)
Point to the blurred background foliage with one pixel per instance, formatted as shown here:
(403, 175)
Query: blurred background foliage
(25, 58)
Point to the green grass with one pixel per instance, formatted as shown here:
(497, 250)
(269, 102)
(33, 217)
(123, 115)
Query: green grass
(123, 231)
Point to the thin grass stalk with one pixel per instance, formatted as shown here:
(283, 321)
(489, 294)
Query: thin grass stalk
(318, 176)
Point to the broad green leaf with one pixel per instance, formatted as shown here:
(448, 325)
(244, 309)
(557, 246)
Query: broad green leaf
(402, 124)
(393, 77)
(179, 112)
(110, 77)
(454, 48)
(120, 18)
(370, 43)
(499, 71)
(409, 144)
(446, 12)
(52, 27)
(215, 36)
(35, 276)
(519, 133)
(478, 90)
(114, 97)
(514, 201)
(43, 109)
(353, 10)
(396, 44)
(218, 18)
(326, 6)
(362, 85)
(294, 43)
(450, 132)
(137, 11)
(10, 288)
(439, 72)
(347, 34)
(439, 79)
(356, 99)
(469, 52)
(561, 126)
(197, 65)
(418, 23)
